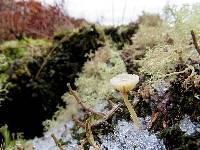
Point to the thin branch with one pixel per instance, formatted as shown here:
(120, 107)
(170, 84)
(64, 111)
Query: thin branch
(108, 115)
(99, 122)
(195, 42)
(48, 56)
(112, 111)
(105, 116)
(89, 135)
(78, 122)
(44, 62)
(84, 107)
(184, 71)
(57, 142)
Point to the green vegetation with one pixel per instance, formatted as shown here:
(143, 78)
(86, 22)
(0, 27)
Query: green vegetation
(10, 141)
(163, 55)
(97, 74)
(34, 76)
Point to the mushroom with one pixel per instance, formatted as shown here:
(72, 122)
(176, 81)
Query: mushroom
(124, 83)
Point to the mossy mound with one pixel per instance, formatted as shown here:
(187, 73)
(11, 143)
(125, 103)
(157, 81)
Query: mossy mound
(121, 35)
(40, 81)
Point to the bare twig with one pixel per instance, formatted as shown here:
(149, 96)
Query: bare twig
(88, 125)
(153, 119)
(111, 104)
(108, 115)
(44, 62)
(195, 42)
(189, 67)
(57, 142)
(112, 111)
(84, 107)
(104, 116)
(81, 146)
(89, 135)
(78, 122)
(99, 122)
(48, 56)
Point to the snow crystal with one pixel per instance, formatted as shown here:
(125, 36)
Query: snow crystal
(127, 136)
(187, 126)
(62, 130)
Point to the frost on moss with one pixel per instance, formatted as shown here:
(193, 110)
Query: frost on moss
(93, 83)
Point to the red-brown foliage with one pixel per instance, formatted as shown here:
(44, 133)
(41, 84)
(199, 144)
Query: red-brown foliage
(31, 19)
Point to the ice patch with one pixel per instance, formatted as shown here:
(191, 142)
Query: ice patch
(126, 136)
(62, 130)
(187, 126)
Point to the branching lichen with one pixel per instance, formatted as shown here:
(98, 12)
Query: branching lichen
(96, 76)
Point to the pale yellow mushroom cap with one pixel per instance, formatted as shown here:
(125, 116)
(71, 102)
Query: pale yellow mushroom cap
(124, 82)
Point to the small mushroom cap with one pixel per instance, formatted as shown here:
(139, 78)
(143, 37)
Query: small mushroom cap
(124, 82)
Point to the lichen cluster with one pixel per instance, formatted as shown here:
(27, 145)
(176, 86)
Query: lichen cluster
(97, 74)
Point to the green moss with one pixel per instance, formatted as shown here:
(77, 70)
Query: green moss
(43, 92)
(8, 142)
(18, 49)
(121, 35)
(3, 63)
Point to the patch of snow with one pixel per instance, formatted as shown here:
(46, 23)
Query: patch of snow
(127, 136)
(161, 88)
(47, 142)
(100, 106)
(187, 126)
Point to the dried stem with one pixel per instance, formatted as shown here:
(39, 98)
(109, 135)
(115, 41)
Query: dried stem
(104, 116)
(108, 115)
(99, 122)
(195, 42)
(78, 122)
(44, 62)
(180, 72)
(48, 56)
(89, 135)
(57, 142)
(153, 119)
(84, 107)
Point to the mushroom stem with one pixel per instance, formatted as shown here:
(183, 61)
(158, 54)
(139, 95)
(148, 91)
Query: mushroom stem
(131, 110)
